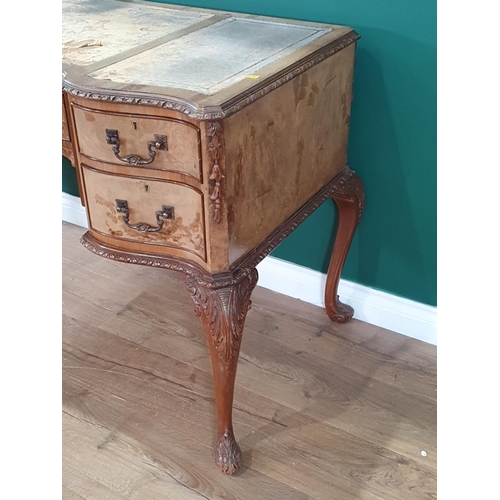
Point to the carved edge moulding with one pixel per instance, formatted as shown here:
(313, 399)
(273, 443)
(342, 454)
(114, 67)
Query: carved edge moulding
(227, 108)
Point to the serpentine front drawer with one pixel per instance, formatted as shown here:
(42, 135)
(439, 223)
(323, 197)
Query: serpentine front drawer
(160, 216)
(128, 139)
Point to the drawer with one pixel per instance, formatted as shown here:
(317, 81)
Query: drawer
(159, 213)
(65, 128)
(138, 140)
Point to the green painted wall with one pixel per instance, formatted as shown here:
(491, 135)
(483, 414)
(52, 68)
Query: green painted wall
(392, 144)
(69, 182)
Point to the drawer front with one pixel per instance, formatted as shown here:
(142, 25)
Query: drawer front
(160, 213)
(153, 143)
(65, 128)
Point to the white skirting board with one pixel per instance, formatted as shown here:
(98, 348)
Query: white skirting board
(398, 314)
(72, 210)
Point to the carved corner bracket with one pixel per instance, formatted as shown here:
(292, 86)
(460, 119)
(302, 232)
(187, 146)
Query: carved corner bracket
(222, 304)
(214, 138)
(350, 187)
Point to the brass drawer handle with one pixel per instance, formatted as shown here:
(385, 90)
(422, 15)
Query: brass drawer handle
(166, 212)
(160, 143)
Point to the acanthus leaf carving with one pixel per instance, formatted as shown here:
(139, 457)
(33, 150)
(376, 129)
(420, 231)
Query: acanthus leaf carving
(223, 308)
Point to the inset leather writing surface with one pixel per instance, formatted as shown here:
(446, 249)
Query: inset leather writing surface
(94, 30)
(214, 57)
(206, 64)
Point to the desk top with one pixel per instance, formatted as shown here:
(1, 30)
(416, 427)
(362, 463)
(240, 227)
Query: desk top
(205, 63)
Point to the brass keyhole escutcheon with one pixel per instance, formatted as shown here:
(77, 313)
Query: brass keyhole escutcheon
(134, 123)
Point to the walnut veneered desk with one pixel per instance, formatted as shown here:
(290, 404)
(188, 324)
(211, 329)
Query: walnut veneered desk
(201, 139)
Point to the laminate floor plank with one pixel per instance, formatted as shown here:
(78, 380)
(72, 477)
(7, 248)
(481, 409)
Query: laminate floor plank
(321, 410)
(159, 323)
(89, 488)
(177, 454)
(167, 313)
(323, 341)
(341, 397)
(173, 341)
(418, 354)
(90, 363)
(97, 290)
(69, 494)
(304, 472)
(122, 469)
(346, 406)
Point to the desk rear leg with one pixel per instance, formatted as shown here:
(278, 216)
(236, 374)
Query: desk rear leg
(222, 303)
(349, 195)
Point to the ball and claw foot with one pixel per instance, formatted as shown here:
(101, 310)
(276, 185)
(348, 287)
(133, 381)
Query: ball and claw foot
(341, 313)
(228, 453)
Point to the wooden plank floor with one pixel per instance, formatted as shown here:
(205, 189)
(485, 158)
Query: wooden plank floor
(322, 411)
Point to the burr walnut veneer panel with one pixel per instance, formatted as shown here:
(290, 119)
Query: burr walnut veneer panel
(294, 138)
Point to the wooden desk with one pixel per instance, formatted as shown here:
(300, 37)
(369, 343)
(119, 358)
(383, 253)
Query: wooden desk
(201, 139)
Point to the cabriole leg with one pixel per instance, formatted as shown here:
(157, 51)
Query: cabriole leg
(222, 302)
(349, 195)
